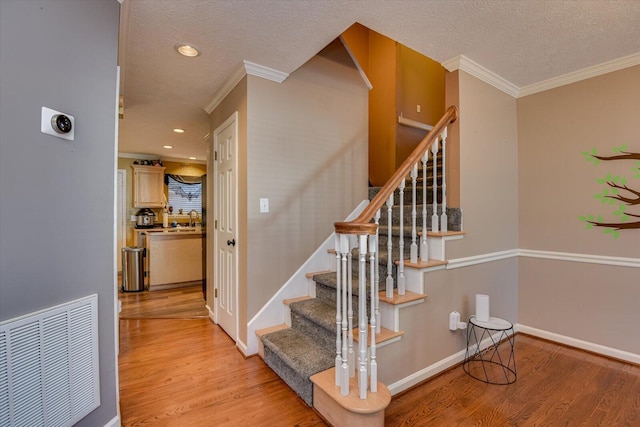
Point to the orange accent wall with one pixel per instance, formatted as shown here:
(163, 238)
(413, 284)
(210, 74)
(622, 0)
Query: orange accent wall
(402, 79)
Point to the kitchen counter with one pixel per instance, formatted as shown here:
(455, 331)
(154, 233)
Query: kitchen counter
(174, 256)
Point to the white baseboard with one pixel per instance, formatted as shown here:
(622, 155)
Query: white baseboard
(426, 373)
(438, 367)
(114, 422)
(242, 347)
(457, 358)
(584, 345)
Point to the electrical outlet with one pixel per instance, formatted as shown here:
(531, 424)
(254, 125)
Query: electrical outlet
(418, 108)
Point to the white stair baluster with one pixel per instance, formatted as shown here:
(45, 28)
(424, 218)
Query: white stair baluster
(373, 364)
(362, 314)
(338, 311)
(376, 219)
(414, 246)
(351, 358)
(444, 219)
(424, 248)
(401, 284)
(389, 283)
(344, 367)
(434, 216)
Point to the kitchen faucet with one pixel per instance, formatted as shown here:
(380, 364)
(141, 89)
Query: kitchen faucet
(191, 212)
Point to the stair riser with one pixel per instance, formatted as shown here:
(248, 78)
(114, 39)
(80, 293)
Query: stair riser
(302, 386)
(319, 333)
(328, 294)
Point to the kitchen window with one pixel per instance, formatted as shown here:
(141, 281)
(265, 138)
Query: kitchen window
(185, 192)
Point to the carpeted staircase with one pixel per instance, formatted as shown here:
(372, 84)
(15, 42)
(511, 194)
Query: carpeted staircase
(308, 347)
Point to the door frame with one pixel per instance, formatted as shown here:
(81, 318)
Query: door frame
(230, 121)
(122, 224)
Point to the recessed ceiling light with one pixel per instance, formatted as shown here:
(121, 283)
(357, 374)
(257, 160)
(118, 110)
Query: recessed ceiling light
(168, 147)
(187, 50)
(192, 158)
(178, 130)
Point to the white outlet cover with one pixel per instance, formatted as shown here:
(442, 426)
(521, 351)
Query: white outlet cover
(47, 127)
(264, 205)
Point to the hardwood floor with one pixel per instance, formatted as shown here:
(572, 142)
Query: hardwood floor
(188, 373)
(556, 386)
(179, 303)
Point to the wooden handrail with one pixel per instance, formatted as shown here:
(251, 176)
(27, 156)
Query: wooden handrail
(362, 224)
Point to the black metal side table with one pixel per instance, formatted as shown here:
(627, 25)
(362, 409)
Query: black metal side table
(490, 355)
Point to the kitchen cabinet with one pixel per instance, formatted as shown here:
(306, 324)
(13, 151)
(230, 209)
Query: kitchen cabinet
(148, 186)
(174, 257)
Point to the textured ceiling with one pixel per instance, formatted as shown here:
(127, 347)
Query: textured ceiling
(522, 41)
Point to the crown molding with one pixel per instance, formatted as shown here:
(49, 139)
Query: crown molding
(236, 75)
(465, 64)
(469, 66)
(265, 72)
(585, 73)
(244, 68)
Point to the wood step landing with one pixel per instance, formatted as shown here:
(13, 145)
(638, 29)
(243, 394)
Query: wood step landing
(351, 411)
(386, 336)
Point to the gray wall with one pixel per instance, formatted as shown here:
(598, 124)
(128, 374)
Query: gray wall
(57, 196)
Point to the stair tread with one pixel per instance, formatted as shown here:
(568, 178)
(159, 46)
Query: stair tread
(289, 301)
(384, 335)
(319, 312)
(303, 353)
(261, 332)
(398, 299)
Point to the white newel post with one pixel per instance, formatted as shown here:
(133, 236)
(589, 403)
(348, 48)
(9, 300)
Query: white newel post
(389, 283)
(444, 219)
(434, 161)
(424, 248)
(373, 364)
(362, 314)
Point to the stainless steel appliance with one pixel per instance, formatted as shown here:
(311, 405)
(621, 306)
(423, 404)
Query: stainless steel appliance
(145, 218)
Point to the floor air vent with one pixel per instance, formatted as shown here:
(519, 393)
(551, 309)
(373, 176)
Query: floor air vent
(49, 365)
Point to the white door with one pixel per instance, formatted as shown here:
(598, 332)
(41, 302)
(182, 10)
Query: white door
(225, 139)
(121, 215)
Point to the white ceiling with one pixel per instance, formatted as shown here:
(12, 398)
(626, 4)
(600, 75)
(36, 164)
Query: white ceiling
(521, 41)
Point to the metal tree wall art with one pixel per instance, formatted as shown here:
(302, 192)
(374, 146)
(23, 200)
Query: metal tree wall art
(617, 192)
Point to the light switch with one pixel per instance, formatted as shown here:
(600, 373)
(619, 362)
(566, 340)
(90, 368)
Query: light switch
(264, 205)
(418, 108)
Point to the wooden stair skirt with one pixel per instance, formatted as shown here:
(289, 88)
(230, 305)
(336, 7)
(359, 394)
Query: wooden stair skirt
(348, 411)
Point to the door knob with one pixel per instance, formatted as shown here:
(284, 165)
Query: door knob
(231, 242)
